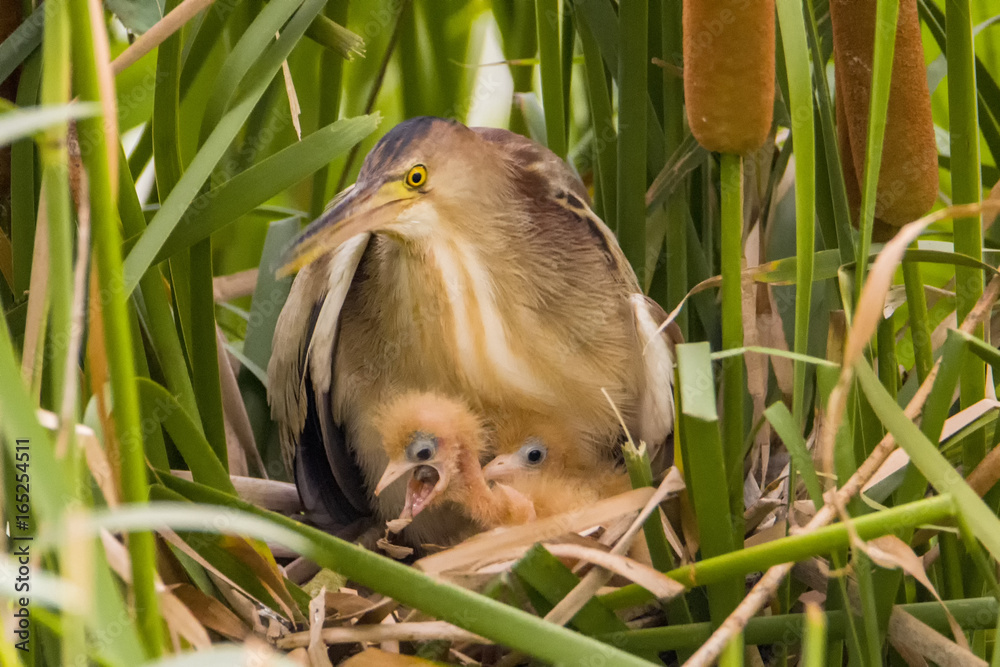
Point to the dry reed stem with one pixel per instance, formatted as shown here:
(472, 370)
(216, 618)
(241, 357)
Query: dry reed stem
(158, 33)
(400, 632)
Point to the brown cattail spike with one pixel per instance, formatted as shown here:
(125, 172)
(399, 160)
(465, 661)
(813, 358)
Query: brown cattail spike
(729, 72)
(908, 177)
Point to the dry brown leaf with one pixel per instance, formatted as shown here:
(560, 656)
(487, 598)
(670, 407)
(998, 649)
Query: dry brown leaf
(217, 575)
(987, 473)
(299, 656)
(210, 612)
(317, 648)
(181, 621)
(869, 307)
(760, 510)
(98, 362)
(896, 462)
(96, 457)
(689, 527)
(891, 552)
(966, 417)
(952, 425)
(347, 605)
(397, 525)
(908, 632)
(240, 445)
(396, 551)
(485, 547)
(660, 585)
(117, 555)
(990, 219)
(293, 98)
(775, 532)
(390, 645)
(258, 558)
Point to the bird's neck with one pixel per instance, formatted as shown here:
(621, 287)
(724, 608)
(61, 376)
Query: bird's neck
(491, 507)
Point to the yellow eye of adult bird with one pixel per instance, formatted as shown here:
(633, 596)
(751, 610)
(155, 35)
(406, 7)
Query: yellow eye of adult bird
(417, 176)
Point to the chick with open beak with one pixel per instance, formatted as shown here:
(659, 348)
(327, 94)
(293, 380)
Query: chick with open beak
(440, 443)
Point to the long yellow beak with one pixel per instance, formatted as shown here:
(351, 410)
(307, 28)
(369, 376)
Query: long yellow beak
(393, 471)
(358, 211)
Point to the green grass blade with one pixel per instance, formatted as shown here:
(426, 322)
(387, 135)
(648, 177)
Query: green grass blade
(23, 187)
(971, 614)
(878, 105)
(159, 318)
(166, 122)
(602, 122)
(331, 70)
(224, 204)
(705, 464)
(734, 374)
(252, 44)
(828, 145)
(21, 43)
(633, 138)
(814, 637)
(27, 122)
(789, 431)
(54, 154)
(935, 467)
(18, 423)
(966, 189)
(793, 36)
(548, 22)
(172, 210)
(160, 406)
(920, 328)
(795, 548)
(117, 332)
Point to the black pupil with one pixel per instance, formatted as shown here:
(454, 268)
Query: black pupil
(535, 455)
(416, 177)
(424, 453)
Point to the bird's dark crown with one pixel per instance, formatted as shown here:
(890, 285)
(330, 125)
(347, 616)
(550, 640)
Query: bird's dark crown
(399, 139)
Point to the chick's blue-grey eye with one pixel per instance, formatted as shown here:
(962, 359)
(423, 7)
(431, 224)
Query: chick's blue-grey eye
(422, 448)
(534, 452)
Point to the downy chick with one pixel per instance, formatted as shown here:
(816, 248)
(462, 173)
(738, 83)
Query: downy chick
(440, 442)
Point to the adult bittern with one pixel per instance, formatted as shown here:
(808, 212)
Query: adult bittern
(466, 261)
(440, 443)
